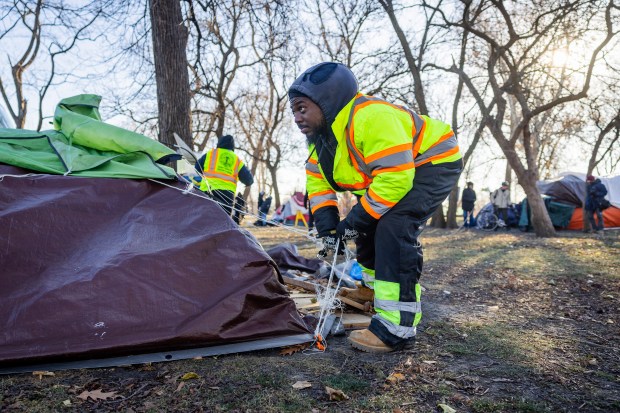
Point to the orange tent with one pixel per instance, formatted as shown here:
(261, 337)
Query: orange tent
(611, 217)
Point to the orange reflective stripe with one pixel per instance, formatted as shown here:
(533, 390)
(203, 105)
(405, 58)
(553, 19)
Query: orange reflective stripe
(440, 156)
(360, 185)
(368, 209)
(316, 175)
(324, 204)
(326, 192)
(403, 167)
(389, 151)
(313, 161)
(416, 148)
(377, 198)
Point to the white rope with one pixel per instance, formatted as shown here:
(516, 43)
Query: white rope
(191, 190)
(327, 298)
(16, 176)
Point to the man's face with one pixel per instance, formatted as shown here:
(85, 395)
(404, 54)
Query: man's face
(308, 116)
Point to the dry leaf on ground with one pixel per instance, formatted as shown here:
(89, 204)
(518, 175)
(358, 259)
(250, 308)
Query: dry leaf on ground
(302, 385)
(96, 395)
(42, 373)
(287, 351)
(395, 378)
(335, 394)
(445, 408)
(189, 376)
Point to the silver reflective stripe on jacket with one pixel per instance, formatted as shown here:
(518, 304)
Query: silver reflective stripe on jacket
(438, 149)
(398, 331)
(409, 306)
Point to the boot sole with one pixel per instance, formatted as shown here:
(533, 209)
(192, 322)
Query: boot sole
(367, 348)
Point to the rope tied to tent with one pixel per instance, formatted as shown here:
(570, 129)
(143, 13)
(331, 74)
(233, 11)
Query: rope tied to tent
(327, 299)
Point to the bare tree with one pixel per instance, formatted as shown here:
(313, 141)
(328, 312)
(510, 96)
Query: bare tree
(513, 51)
(169, 54)
(52, 29)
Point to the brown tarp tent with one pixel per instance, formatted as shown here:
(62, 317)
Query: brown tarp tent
(104, 267)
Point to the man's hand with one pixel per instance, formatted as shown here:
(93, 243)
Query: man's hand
(329, 240)
(345, 231)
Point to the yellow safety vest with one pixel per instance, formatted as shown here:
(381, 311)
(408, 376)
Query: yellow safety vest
(379, 147)
(221, 170)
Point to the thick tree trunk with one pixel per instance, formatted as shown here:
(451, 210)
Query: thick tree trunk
(276, 189)
(438, 220)
(453, 202)
(540, 217)
(169, 53)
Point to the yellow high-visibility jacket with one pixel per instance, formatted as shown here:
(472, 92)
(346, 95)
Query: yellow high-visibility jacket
(221, 170)
(379, 145)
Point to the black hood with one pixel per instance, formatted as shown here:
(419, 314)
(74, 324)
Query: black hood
(330, 85)
(226, 142)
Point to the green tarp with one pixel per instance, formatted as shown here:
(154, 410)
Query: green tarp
(82, 145)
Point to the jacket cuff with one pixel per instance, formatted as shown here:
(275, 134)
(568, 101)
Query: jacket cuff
(326, 219)
(361, 220)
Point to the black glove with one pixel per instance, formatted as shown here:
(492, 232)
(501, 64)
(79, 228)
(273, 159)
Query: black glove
(345, 231)
(329, 240)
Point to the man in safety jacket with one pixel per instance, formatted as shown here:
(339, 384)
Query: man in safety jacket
(399, 164)
(221, 168)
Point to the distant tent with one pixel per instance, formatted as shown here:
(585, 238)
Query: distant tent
(98, 267)
(287, 212)
(570, 189)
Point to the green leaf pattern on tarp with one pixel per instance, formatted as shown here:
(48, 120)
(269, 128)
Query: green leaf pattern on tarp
(83, 145)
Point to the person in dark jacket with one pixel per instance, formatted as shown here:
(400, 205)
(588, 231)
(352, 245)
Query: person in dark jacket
(221, 169)
(468, 199)
(595, 194)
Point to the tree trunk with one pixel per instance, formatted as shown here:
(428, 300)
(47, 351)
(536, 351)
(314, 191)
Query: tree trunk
(169, 54)
(276, 189)
(438, 219)
(453, 202)
(540, 217)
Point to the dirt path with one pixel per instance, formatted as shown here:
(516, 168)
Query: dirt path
(511, 324)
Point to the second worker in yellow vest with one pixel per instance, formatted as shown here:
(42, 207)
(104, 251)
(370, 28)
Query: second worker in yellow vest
(399, 164)
(221, 168)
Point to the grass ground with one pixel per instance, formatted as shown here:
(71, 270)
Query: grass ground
(511, 323)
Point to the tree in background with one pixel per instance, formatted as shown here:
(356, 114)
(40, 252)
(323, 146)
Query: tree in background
(52, 30)
(512, 42)
(169, 55)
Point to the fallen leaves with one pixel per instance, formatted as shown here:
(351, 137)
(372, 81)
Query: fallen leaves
(290, 350)
(445, 408)
(302, 385)
(190, 376)
(335, 394)
(395, 378)
(96, 395)
(42, 373)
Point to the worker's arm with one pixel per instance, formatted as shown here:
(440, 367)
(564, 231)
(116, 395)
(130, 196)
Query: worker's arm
(321, 196)
(386, 146)
(245, 176)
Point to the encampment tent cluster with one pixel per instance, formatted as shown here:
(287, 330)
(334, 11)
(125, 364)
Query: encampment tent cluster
(288, 211)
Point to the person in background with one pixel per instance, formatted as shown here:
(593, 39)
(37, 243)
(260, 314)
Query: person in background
(368, 146)
(468, 199)
(595, 195)
(239, 208)
(221, 169)
(263, 206)
(500, 198)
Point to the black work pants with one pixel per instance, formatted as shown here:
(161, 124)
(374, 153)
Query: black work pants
(393, 251)
(226, 199)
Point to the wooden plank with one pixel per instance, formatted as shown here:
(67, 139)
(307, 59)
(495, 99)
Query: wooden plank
(352, 303)
(301, 284)
(355, 320)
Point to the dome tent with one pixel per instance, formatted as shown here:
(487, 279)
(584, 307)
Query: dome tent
(98, 266)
